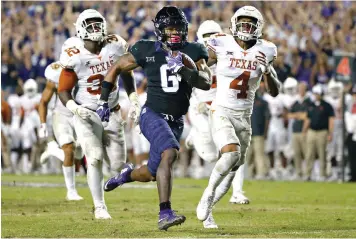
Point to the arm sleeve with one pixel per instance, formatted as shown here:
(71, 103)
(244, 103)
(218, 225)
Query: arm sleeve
(203, 53)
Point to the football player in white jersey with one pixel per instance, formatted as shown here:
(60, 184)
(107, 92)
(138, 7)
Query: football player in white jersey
(335, 147)
(141, 146)
(84, 67)
(29, 103)
(198, 112)
(17, 115)
(200, 134)
(277, 134)
(63, 131)
(242, 59)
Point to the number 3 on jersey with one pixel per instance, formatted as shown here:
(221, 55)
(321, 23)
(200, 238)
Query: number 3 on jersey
(95, 80)
(169, 83)
(240, 83)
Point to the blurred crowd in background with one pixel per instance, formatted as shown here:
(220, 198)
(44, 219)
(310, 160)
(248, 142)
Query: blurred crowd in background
(306, 33)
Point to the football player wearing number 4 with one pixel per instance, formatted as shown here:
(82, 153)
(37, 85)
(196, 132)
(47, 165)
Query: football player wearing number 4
(242, 59)
(85, 66)
(63, 131)
(170, 85)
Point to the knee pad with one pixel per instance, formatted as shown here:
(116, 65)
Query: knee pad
(227, 162)
(78, 152)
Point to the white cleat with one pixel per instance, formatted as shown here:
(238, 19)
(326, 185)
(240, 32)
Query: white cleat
(101, 213)
(205, 205)
(210, 222)
(73, 196)
(239, 198)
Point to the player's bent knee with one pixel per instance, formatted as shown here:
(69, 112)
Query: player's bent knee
(78, 153)
(170, 155)
(227, 162)
(95, 154)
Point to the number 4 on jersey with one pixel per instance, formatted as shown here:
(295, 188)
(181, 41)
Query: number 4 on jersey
(240, 83)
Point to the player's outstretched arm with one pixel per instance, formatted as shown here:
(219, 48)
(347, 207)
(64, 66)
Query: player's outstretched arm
(47, 94)
(42, 108)
(124, 65)
(272, 83)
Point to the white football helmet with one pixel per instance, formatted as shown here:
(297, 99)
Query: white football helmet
(317, 89)
(30, 88)
(208, 26)
(246, 31)
(89, 31)
(335, 88)
(290, 86)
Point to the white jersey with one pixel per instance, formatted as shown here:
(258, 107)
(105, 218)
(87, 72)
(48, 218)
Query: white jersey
(275, 104)
(336, 104)
(52, 74)
(15, 104)
(238, 72)
(91, 69)
(288, 100)
(206, 96)
(30, 105)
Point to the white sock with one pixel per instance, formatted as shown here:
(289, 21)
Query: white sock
(69, 177)
(95, 179)
(238, 181)
(222, 168)
(224, 187)
(25, 163)
(14, 157)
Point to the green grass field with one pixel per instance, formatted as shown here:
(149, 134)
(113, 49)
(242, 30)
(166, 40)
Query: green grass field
(277, 209)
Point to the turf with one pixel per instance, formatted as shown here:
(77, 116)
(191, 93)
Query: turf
(278, 209)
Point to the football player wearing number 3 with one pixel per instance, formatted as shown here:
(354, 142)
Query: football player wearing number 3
(241, 61)
(170, 83)
(84, 68)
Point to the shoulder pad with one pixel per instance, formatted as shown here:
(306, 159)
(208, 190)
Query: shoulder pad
(140, 50)
(270, 49)
(218, 41)
(196, 51)
(53, 72)
(69, 58)
(73, 42)
(118, 42)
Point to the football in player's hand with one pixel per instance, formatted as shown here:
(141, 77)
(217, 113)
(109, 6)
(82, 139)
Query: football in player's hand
(188, 62)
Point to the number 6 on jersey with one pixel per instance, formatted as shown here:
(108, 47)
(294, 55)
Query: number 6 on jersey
(169, 83)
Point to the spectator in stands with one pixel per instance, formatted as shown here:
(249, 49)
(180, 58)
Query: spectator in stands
(298, 112)
(256, 158)
(319, 127)
(283, 70)
(9, 79)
